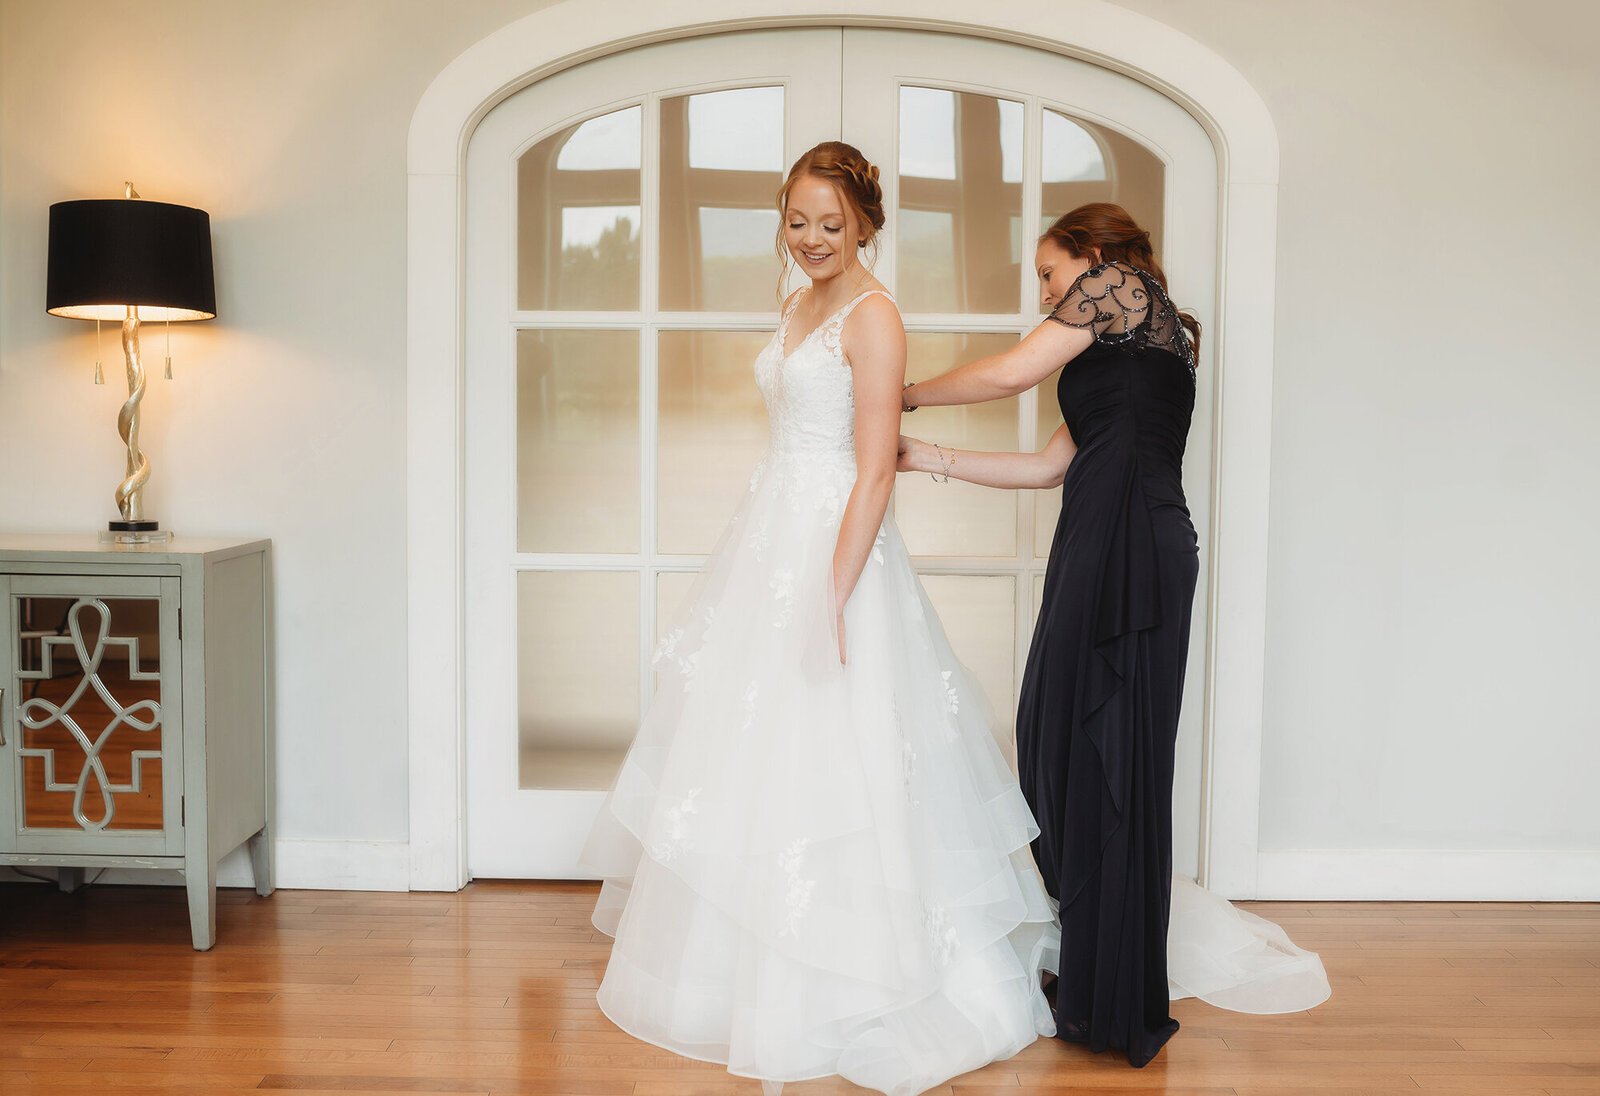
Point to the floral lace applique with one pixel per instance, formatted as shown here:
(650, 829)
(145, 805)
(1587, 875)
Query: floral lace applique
(783, 591)
(677, 835)
(827, 498)
(669, 653)
(798, 891)
(952, 698)
(686, 666)
(751, 691)
(667, 650)
(908, 758)
(877, 547)
(941, 933)
(758, 541)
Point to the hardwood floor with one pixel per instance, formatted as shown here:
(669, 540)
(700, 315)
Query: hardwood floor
(492, 991)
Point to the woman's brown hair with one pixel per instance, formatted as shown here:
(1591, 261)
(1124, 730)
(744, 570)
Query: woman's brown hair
(852, 175)
(1105, 228)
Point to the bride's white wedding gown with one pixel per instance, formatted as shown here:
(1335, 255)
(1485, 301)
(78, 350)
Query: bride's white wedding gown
(813, 868)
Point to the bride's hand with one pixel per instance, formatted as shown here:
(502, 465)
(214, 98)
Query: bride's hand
(907, 459)
(839, 626)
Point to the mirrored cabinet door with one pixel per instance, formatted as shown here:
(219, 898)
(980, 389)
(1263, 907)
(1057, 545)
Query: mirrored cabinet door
(91, 716)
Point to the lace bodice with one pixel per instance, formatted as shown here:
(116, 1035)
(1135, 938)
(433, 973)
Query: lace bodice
(810, 392)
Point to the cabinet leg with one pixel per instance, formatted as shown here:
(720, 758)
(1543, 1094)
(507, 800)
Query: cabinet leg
(201, 882)
(261, 861)
(69, 879)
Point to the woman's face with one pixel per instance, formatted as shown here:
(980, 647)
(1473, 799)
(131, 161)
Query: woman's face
(1057, 270)
(818, 229)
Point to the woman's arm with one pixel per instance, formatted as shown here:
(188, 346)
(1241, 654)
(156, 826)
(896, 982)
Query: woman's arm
(1018, 369)
(1046, 468)
(875, 346)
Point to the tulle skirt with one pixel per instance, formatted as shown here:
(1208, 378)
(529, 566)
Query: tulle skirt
(813, 868)
(1235, 960)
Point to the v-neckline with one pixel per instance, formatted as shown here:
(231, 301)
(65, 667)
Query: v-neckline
(783, 328)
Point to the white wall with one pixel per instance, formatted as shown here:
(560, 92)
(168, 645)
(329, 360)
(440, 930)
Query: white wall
(1433, 472)
(287, 122)
(1433, 594)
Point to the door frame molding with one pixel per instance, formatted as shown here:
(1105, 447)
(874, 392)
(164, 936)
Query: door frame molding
(571, 32)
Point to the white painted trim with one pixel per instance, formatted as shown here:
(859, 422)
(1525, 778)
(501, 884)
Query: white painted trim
(571, 32)
(1414, 875)
(299, 865)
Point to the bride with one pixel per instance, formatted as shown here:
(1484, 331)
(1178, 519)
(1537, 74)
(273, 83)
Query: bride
(815, 859)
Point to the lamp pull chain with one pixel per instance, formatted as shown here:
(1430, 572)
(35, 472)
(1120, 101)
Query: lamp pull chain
(99, 377)
(169, 348)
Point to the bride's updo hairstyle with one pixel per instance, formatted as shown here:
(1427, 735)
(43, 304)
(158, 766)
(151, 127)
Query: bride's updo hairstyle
(1106, 227)
(852, 176)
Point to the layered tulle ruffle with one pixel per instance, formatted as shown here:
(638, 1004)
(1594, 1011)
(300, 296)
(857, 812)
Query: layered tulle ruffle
(814, 868)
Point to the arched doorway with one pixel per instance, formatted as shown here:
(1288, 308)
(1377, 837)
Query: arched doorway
(437, 842)
(621, 279)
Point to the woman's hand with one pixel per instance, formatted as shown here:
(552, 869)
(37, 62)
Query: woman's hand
(912, 455)
(838, 622)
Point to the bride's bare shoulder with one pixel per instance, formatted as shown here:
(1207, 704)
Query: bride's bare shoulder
(877, 310)
(875, 330)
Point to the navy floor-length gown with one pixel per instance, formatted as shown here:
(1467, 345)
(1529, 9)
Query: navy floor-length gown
(1099, 708)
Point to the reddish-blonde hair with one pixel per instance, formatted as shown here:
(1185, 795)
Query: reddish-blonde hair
(852, 175)
(1104, 228)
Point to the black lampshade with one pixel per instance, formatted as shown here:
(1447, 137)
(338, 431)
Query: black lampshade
(107, 254)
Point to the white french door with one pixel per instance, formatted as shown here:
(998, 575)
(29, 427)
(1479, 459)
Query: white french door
(622, 277)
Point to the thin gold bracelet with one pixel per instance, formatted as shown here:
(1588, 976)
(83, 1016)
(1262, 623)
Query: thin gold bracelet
(942, 464)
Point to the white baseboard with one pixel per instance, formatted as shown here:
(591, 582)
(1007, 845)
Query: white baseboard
(299, 865)
(1378, 875)
(1306, 875)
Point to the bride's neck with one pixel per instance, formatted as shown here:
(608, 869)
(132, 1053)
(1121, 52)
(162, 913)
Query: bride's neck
(828, 294)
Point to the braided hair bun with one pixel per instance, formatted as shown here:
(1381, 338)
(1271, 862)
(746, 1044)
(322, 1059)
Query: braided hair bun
(852, 175)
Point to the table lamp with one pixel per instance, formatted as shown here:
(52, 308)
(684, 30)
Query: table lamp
(128, 260)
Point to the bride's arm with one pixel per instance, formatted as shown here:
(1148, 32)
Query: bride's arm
(1046, 468)
(875, 346)
(1015, 370)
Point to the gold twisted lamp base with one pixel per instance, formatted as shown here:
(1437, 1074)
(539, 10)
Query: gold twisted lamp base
(133, 527)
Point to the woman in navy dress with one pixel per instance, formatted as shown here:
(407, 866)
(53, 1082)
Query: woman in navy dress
(1098, 716)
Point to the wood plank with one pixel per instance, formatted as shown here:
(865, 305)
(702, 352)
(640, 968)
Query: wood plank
(491, 991)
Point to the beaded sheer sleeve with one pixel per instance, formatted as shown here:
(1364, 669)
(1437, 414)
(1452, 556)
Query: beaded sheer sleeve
(1123, 305)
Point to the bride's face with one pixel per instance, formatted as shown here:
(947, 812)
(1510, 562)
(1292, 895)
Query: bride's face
(1057, 271)
(819, 229)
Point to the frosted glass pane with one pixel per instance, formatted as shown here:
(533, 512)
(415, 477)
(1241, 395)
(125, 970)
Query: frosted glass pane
(1083, 162)
(955, 518)
(1071, 154)
(979, 616)
(1047, 504)
(721, 165)
(577, 441)
(713, 430)
(959, 226)
(49, 672)
(577, 675)
(578, 216)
